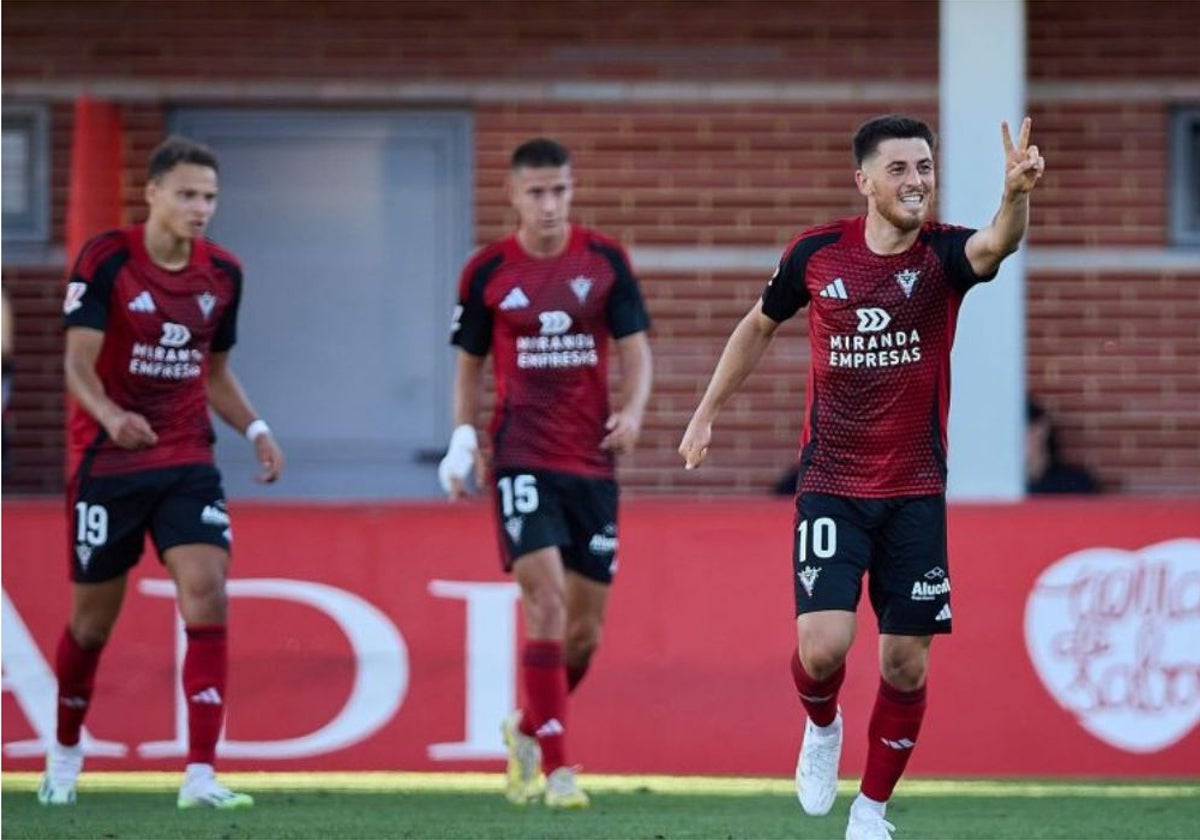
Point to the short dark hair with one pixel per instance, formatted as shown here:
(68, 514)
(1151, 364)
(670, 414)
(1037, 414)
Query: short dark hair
(176, 150)
(889, 127)
(540, 151)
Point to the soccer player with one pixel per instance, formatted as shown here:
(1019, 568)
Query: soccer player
(151, 315)
(544, 301)
(883, 292)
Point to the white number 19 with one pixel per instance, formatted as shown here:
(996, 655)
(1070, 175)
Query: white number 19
(91, 524)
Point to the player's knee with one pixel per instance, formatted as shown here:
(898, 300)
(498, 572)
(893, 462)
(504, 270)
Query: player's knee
(546, 610)
(203, 601)
(582, 640)
(89, 632)
(820, 662)
(904, 673)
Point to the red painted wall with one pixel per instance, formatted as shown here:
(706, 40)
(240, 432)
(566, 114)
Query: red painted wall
(1094, 602)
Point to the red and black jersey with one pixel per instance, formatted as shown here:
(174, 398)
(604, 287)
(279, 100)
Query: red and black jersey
(159, 328)
(880, 331)
(546, 322)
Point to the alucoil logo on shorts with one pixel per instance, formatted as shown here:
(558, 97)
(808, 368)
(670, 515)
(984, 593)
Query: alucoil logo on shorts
(604, 543)
(213, 515)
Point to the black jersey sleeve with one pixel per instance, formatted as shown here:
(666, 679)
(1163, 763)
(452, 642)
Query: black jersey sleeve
(786, 293)
(471, 329)
(226, 334)
(626, 312)
(90, 283)
(949, 242)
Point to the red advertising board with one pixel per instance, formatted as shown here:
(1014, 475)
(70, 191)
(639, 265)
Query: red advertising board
(386, 638)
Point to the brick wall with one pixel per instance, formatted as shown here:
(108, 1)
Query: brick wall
(1113, 354)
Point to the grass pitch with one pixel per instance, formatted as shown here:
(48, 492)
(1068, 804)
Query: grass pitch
(330, 806)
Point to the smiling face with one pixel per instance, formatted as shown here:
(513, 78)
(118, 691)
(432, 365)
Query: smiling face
(899, 182)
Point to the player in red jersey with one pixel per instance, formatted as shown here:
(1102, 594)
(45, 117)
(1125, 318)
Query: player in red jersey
(883, 292)
(544, 302)
(151, 315)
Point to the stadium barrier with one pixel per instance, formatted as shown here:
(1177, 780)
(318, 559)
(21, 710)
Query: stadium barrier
(385, 637)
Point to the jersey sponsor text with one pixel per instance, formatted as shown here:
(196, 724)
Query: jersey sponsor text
(901, 347)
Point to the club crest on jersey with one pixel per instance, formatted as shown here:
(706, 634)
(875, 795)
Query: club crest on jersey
(908, 279)
(207, 301)
(808, 578)
(581, 286)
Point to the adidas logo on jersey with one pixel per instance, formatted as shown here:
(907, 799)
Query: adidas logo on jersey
(514, 300)
(836, 290)
(142, 303)
(943, 614)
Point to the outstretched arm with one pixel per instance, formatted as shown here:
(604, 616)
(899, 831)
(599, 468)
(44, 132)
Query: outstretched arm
(1024, 166)
(750, 338)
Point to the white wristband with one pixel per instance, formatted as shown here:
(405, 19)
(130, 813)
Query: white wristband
(460, 455)
(257, 429)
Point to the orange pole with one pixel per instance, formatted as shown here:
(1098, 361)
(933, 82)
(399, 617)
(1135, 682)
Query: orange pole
(94, 198)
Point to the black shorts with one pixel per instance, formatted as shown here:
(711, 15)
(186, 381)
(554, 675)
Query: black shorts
(900, 543)
(108, 517)
(538, 508)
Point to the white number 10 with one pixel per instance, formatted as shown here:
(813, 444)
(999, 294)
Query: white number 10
(824, 538)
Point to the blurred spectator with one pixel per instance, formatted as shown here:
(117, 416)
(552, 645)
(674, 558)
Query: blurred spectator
(1045, 470)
